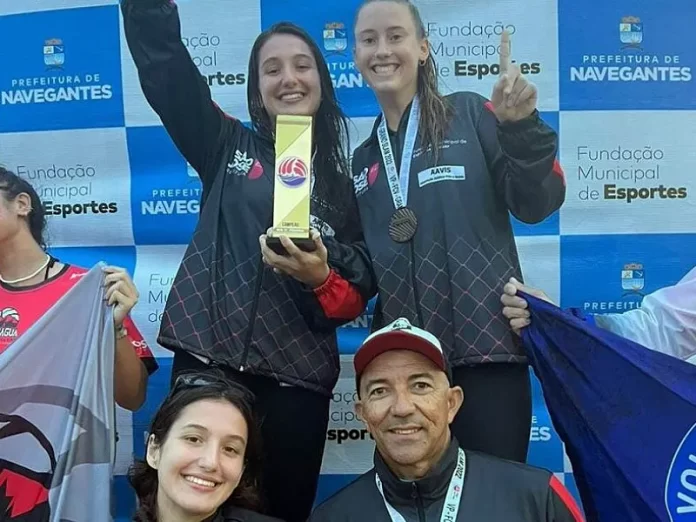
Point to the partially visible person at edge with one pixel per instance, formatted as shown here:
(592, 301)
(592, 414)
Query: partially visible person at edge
(202, 456)
(665, 321)
(274, 332)
(32, 281)
(461, 165)
(407, 401)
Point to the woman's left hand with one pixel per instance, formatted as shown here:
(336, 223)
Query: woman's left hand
(120, 292)
(310, 268)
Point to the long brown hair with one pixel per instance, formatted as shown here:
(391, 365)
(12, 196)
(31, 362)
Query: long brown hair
(435, 111)
(330, 124)
(188, 389)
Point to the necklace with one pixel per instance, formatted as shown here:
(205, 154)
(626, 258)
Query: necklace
(34, 274)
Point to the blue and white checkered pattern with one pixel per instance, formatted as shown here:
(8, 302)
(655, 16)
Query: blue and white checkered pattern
(615, 79)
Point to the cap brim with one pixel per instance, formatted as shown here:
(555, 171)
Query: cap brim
(396, 340)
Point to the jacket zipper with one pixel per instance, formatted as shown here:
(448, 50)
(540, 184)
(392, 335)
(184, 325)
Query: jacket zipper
(419, 503)
(252, 319)
(414, 284)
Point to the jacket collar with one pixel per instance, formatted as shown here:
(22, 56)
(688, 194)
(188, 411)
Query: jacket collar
(430, 488)
(402, 124)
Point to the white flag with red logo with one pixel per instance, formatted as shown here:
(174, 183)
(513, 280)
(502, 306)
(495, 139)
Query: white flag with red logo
(57, 428)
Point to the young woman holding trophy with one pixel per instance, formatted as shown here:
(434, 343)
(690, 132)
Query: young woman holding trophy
(273, 333)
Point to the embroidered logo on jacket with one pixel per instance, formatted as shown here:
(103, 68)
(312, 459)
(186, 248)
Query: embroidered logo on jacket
(242, 165)
(365, 179)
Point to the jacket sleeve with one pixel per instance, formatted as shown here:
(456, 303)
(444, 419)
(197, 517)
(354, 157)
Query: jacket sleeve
(665, 322)
(173, 85)
(522, 159)
(352, 282)
(561, 506)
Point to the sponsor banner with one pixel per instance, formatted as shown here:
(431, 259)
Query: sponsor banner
(349, 447)
(612, 274)
(627, 173)
(63, 71)
(165, 190)
(85, 190)
(27, 6)
(618, 55)
(540, 259)
(465, 41)
(154, 274)
(218, 42)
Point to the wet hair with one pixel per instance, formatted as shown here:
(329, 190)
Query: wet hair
(189, 388)
(11, 186)
(435, 111)
(330, 124)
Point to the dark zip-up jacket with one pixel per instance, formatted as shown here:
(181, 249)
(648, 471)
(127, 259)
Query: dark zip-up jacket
(450, 277)
(494, 490)
(235, 514)
(225, 304)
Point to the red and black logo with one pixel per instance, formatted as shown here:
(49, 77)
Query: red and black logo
(24, 491)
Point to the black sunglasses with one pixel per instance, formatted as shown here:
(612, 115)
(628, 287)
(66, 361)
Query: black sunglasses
(194, 380)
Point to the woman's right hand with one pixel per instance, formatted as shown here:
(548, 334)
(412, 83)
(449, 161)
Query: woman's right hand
(515, 307)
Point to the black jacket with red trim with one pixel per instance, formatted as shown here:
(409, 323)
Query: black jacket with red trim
(495, 490)
(449, 278)
(225, 304)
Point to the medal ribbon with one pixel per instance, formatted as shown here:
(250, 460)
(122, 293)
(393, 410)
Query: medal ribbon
(398, 182)
(454, 492)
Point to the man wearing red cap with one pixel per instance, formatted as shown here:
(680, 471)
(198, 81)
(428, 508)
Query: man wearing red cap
(420, 474)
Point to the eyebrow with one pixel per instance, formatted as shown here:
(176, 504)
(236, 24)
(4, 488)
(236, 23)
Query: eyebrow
(298, 55)
(414, 377)
(203, 428)
(391, 28)
(424, 375)
(196, 426)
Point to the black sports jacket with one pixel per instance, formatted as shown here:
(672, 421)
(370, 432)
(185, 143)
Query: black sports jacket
(225, 304)
(449, 278)
(494, 490)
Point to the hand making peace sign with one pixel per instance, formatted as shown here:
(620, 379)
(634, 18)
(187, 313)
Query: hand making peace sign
(514, 98)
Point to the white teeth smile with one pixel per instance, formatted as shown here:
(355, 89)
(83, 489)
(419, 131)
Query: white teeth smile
(292, 97)
(384, 69)
(406, 432)
(200, 481)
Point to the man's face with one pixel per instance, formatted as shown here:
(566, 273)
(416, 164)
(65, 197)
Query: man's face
(407, 404)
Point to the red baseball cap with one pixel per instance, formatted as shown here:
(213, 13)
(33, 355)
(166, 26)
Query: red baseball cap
(400, 335)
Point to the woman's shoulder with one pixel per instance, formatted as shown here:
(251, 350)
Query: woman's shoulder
(463, 100)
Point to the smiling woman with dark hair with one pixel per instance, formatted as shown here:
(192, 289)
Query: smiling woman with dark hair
(273, 330)
(203, 455)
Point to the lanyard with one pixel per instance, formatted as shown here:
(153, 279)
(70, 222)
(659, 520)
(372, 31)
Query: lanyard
(451, 507)
(398, 182)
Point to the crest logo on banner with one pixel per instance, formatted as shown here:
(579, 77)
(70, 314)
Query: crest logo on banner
(335, 38)
(633, 278)
(631, 32)
(54, 53)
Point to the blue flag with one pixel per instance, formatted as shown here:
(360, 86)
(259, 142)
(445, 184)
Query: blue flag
(57, 433)
(627, 415)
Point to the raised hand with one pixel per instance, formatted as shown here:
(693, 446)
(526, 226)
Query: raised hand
(514, 98)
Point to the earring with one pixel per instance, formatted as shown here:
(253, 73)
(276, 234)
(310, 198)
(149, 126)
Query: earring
(422, 62)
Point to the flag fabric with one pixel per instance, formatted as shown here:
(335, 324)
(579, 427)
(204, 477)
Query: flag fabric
(57, 427)
(626, 413)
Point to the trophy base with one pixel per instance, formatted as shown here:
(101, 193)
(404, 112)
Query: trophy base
(306, 244)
